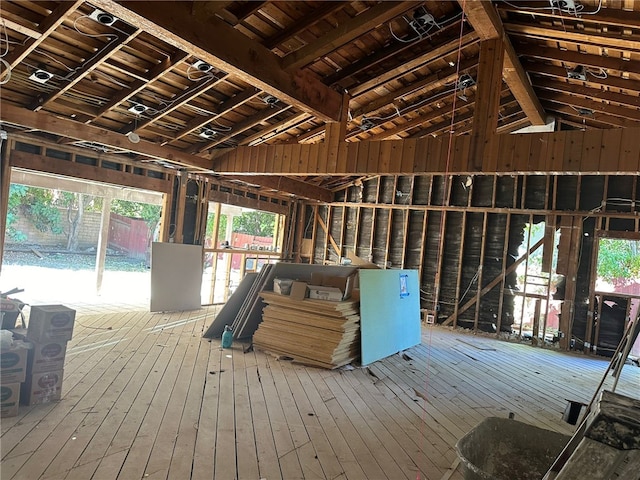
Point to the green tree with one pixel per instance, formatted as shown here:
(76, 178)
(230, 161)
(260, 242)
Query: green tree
(618, 260)
(260, 224)
(145, 211)
(35, 204)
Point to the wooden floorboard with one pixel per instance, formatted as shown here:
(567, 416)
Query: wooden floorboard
(145, 397)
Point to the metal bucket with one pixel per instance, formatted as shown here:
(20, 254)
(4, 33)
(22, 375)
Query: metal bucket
(504, 449)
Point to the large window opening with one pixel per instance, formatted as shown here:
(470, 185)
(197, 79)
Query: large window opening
(53, 249)
(616, 292)
(238, 240)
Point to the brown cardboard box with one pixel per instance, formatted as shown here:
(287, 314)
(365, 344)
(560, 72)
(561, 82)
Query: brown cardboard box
(282, 285)
(343, 283)
(46, 357)
(318, 292)
(13, 363)
(41, 387)
(9, 399)
(50, 323)
(298, 290)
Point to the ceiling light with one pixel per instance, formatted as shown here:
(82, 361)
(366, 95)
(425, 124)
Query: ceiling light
(102, 17)
(578, 73)
(204, 67)
(452, 64)
(133, 137)
(207, 133)
(465, 81)
(270, 100)
(138, 108)
(41, 76)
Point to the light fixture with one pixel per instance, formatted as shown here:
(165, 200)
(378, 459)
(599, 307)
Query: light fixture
(207, 133)
(452, 64)
(201, 66)
(578, 73)
(270, 100)
(41, 76)
(366, 124)
(465, 81)
(133, 137)
(138, 108)
(103, 17)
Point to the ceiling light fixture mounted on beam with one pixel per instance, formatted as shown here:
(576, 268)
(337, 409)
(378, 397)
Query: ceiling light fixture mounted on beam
(201, 66)
(138, 108)
(103, 18)
(207, 133)
(578, 73)
(41, 75)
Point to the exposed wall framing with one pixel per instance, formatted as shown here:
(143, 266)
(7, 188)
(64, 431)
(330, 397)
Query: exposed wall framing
(478, 224)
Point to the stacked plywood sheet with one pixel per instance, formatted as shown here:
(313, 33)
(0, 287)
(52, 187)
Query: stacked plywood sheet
(314, 332)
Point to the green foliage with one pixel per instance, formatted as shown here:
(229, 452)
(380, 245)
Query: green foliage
(36, 204)
(222, 227)
(149, 213)
(618, 260)
(260, 224)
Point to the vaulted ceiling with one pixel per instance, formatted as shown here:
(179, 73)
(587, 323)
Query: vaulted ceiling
(179, 82)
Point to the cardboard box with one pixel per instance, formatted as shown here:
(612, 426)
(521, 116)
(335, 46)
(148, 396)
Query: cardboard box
(13, 363)
(46, 357)
(282, 285)
(298, 290)
(9, 399)
(44, 387)
(343, 283)
(318, 292)
(50, 323)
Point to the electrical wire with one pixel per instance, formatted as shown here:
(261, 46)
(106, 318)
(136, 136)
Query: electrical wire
(92, 35)
(425, 34)
(579, 9)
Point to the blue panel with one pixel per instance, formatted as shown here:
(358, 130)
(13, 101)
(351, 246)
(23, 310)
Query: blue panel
(389, 311)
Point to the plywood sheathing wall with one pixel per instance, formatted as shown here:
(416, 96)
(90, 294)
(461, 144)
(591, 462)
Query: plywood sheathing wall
(402, 222)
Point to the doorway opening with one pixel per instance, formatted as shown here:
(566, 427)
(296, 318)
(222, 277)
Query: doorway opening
(615, 298)
(238, 240)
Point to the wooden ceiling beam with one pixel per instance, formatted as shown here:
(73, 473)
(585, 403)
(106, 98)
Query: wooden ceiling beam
(46, 122)
(576, 58)
(430, 82)
(597, 120)
(486, 21)
(244, 125)
(445, 49)
(278, 127)
(307, 21)
(184, 97)
(138, 85)
(606, 16)
(630, 101)
(554, 71)
(238, 55)
(346, 32)
(289, 185)
(112, 47)
(556, 34)
(584, 102)
(224, 107)
(49, 25)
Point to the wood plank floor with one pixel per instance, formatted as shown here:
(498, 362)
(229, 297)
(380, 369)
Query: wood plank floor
(144, 397)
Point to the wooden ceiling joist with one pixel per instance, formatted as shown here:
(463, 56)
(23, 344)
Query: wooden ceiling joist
(289, 185)
(486, 22)
(255, 64)
(46, 122)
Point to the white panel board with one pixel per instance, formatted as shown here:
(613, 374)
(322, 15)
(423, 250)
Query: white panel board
(389, 312)
(176, 277)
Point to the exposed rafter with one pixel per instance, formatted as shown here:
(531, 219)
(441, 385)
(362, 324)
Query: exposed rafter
(175, 24)
(486, 22)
